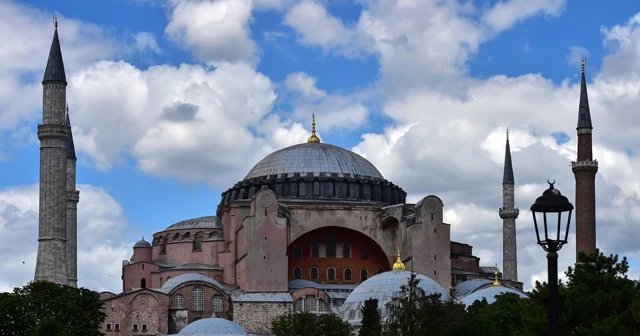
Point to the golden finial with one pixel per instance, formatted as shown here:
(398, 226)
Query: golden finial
(584, 60)
(495, 280)
(313, 137)
(398, 266)
(55, 21)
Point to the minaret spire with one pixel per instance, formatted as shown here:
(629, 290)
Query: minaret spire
(584, 113)
(584, 170)
(509, 213)
(52, 260)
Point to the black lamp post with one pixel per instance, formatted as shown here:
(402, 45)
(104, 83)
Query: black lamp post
(550, 206)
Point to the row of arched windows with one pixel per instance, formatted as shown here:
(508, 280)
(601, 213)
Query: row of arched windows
(197, 301)
(197, 240)
(330, 250)
(347, 274)
(310, 304)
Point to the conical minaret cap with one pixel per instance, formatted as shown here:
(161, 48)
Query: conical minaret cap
(584, 113)
(507, 177)
(54, 71)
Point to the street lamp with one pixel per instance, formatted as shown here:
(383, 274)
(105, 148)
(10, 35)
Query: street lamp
(550, 206)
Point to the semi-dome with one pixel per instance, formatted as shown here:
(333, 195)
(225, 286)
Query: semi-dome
(213, 327)
(315, 158)
(206, 222)
(142, 243)
(384, 287)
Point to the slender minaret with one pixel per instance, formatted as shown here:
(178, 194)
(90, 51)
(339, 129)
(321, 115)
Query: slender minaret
(585, 169)
(509, 213)
(73, 196)
(51, 264)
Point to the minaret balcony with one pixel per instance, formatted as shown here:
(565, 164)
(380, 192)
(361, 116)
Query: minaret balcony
(586, 163)
(508, 213)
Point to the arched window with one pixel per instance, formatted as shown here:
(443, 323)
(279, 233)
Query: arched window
(168, 278)
(314, 273)
(363, 254)
(297, 273)
(187, 235)
(346, 250)
(348, 276)
(364, 274)
(297, 252)
(380, 270)
(218, 304)
(163, 247)
(331, 274)
(178, 301)
(298, 305)
(331, 246)
(143, 283)
(315, 249)
(197, 299)
(197, 242)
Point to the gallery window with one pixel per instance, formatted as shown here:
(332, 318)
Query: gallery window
(331, 246)
(297, 252)
(331, 274)
(314, 273)
(348, 276)
(178, 301)
(363, 254)
(346, 250)
(297, 273)
(197, 299)
(364, 274)
(315, 249)
(218, 305)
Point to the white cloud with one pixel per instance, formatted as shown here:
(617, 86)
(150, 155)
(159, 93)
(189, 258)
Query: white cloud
(316, 26)
(216, 30)
(144, 41)
(101, 237)
(576, 55)
(504, 14)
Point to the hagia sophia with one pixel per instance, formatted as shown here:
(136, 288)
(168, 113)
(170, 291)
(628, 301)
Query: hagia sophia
(312, 227)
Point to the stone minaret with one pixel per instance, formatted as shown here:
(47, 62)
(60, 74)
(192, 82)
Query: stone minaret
(73, 196)
(585, 169)
(53, 133)
(509, 213)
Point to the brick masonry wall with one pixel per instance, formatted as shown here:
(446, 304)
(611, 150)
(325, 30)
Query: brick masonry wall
(256, 317)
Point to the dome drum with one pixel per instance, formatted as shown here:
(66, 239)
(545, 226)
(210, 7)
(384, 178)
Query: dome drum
(319, 186)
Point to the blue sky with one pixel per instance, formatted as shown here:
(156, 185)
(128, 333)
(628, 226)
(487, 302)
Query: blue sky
(430, 112)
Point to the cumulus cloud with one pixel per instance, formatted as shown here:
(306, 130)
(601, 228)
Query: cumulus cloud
(217, 31)
(307, 16)
(102, 232)
(504, 14)
(145, 41)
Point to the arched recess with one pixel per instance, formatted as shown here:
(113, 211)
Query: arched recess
(335, 236)
(389, 231)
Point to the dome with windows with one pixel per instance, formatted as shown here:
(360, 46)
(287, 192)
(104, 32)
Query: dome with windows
(206, 222)
(318, 171)
(384, 287)
(213, 327)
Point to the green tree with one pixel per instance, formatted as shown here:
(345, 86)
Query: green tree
(307, 324)
(49, 327)
(598, 298)
(413, 313)
(371, 325)
(77, 310)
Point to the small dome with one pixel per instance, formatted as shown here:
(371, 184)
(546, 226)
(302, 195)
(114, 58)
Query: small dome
(490, 294)
(384, 287)
(466, 287)
(142, 243)
(316, 158)
(213, 327)
(206, 222)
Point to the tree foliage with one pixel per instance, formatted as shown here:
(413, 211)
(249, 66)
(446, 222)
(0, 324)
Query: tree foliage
(307, 324)
(598, 299)
(34, 307)
(371, 325)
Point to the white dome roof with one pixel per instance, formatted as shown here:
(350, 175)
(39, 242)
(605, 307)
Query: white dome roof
(213, 327)
(490, 294)
(384, 287)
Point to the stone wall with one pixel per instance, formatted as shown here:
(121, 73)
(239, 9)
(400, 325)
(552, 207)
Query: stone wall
(256, 317)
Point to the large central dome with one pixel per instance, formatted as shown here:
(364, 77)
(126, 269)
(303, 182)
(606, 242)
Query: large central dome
(314, 158)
